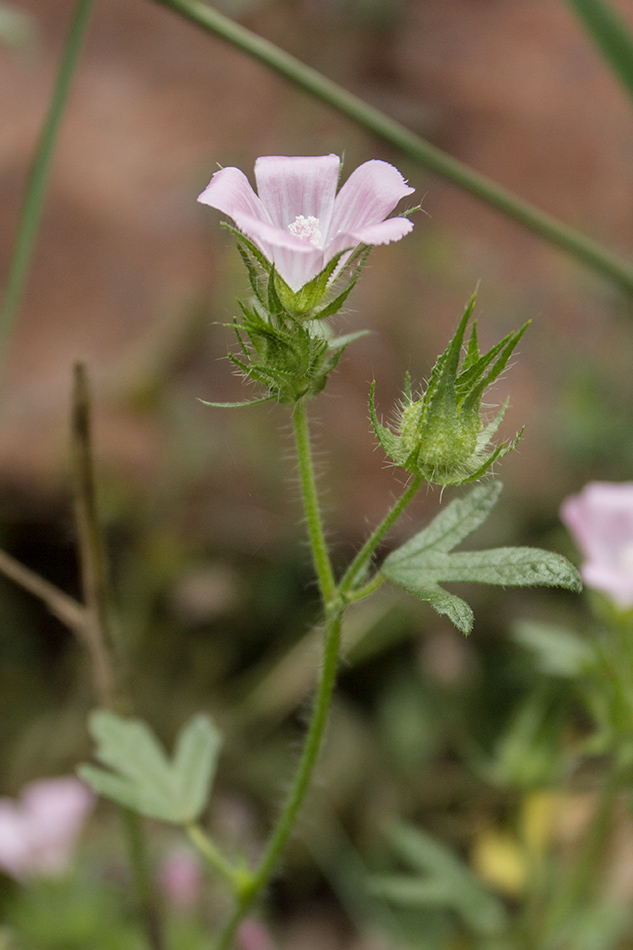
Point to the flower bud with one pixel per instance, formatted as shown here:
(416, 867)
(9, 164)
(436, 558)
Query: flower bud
(442, 435)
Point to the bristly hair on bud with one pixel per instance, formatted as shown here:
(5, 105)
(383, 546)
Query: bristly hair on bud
(289, 356)
(442, 435)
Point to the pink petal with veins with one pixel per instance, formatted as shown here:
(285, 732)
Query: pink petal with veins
(368, 196)
(230, 191)
(290, 186)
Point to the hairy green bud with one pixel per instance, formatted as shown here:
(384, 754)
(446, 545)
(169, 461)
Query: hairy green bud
(285, 345)
(442, 435)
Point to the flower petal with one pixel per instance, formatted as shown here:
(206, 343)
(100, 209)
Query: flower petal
(601, 519)
(370, 193)
(296, 261)
(393, 229)
(230, 191)
(290, 186)
(618, 584)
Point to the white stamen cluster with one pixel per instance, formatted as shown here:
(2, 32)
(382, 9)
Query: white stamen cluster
(306, 229)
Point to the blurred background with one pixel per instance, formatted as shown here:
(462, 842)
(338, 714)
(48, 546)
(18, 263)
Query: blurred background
(213, 584)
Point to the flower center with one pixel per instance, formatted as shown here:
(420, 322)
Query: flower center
(306, 229)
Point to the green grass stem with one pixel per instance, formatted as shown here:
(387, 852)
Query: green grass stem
(37, 181)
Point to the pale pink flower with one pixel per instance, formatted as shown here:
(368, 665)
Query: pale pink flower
(180, 878)
(298, 221)
(39, 831)
(600, 519)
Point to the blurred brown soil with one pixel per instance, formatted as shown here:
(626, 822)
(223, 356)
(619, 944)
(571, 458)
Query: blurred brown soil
(130, 273)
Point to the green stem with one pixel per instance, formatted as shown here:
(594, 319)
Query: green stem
(96, 632)
(323, 700)
(316, 534)
(38, 178)
(216, 859)
(143, 884)
(305, 770)
(577, 889)
(362, 559)
(434, 159)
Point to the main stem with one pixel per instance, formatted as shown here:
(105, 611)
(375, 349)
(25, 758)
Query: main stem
(323, 700)
(318, 544)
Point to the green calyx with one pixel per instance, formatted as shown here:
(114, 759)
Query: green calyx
(284, 343)
(442, 435)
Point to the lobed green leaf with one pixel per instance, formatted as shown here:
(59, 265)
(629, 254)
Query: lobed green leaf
(426, 561)
(142, 777)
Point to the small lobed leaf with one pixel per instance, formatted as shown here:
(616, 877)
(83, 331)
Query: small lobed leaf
(426, 561)
(142, 777)
(513, 567)
(454, 523)
(111, 786)
(449, 605)
(195, 760)
(446, 881)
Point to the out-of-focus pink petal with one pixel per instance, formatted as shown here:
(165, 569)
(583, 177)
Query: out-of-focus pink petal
(290, 186)
(230, 191)
(57, 809)
(616, 583)
(253, 935)
(393, 229)
(180, 878)
(14, 844)
(297, 261)
(370, 193)
(39, 832)
(600, 518)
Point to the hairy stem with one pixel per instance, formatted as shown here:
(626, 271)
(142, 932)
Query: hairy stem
(314, 523)
(286, 822)
(358, 566)
(434, 159)
(38, 178)
(323, 700)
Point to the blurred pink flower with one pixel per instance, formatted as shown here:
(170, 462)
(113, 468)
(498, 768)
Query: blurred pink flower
(253, 935)
(39, 831)
(298, 221)
(600, 519)
(180, 878)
